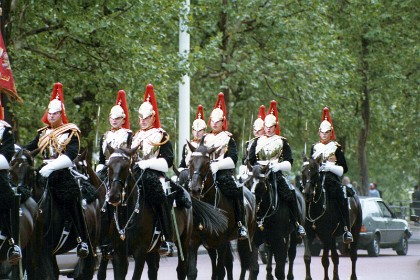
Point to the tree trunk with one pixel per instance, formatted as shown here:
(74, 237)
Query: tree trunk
(365, 110)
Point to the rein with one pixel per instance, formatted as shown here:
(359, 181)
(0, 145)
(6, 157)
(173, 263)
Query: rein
(315, 201)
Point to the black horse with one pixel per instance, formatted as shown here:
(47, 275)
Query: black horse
(324, 221)
(203, 187)
(28, 213)
(54, 233)
(275, 225)
(136, 225)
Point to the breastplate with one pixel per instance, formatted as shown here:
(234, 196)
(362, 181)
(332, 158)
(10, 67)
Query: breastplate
(115, 139)
(269, 148)
(220, 140)
(146, 140)
(326, 151)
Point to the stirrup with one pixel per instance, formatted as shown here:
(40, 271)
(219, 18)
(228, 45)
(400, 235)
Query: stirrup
(347, 237)
(242, 232)
(166, 248)
(300, 230)
(82, 250)
(14, 255)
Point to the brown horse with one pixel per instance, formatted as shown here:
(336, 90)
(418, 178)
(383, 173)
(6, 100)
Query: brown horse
(324, 221)
(52, 226)
(135, 222)
(203, 187)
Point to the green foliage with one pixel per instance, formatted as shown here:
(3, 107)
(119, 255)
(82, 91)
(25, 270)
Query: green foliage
(303, 54)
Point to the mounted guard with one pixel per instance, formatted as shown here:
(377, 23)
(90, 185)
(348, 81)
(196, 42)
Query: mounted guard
(223, 163)
(7, 194)
(333, 166)
(58, 143)
(154, 156)
(274, 150)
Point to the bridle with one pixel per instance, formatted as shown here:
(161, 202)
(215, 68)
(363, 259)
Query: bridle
(318, 194)
(197, 174)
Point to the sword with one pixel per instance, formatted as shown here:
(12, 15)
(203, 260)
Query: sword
(177, 233)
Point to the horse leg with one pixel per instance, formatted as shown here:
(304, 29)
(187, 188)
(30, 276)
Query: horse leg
(279, 249)
(103, 266)
(335, 259)
(292, 255)
(353, 257)
(229, 262)
(307, 242)
(325, 260)
(213, 258)
(182, 268)
(85, 268)
(152, 260)
(120, 265)
(192, 262)
(221, 260)
(269, 268)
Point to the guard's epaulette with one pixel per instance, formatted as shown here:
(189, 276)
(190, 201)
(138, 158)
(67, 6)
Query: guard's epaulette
(283, 138)
(228, 133)
(338, 144)
(4, 123)
(42, 128)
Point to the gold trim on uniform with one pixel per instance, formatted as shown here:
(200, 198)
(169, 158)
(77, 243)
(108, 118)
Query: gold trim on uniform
(56, 139)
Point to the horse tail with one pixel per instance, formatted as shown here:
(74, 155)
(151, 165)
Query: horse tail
(213, 219)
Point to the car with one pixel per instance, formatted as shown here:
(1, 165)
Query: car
(380, 229)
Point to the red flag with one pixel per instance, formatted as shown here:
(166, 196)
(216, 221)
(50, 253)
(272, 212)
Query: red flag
(7, 83)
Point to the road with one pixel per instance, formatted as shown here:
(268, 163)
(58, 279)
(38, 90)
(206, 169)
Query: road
(388, 266)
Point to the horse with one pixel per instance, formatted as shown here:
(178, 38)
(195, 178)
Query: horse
(324, 221)
(52, 225)
(202, 186)
(276, 228)
(135, 222)
(28, 214)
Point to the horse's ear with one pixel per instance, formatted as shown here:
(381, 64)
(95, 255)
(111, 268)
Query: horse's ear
(83, 155)
(34, 152)
(264, 169)
(131, 151)
(110, 149)
(202, 141)
(212, 150)
(192, 148)
(175, 170)
(304, 157)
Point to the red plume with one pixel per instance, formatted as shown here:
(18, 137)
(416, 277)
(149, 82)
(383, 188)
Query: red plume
(149, 96)
(327, 117)
(57, 93)
(122, 101)
(261, 113)
(200, 112)
(273, 111)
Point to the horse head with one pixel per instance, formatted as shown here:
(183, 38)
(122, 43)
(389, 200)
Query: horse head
(310, 176)
(199, 169)
(22, 171)
(259, 181)
(118, 170)
(80, 162)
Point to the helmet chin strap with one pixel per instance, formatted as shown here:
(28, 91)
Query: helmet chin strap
(118, 125)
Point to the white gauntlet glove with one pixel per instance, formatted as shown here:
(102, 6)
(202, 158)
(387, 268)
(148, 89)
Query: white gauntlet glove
(331, 167)
(158, 164)
(61, 162)
(226, 163)
(99, 167)
(243, 172)
(4, 164)
(280, 166)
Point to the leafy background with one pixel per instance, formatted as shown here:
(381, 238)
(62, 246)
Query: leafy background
(359, 58)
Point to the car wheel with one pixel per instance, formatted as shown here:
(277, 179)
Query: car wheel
(374, 247)
(402, 248)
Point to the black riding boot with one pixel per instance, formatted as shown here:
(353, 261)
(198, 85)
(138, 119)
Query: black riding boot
(164, 212)
(294, 211)
(79, 223)
(240, 218)
(347, 236)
